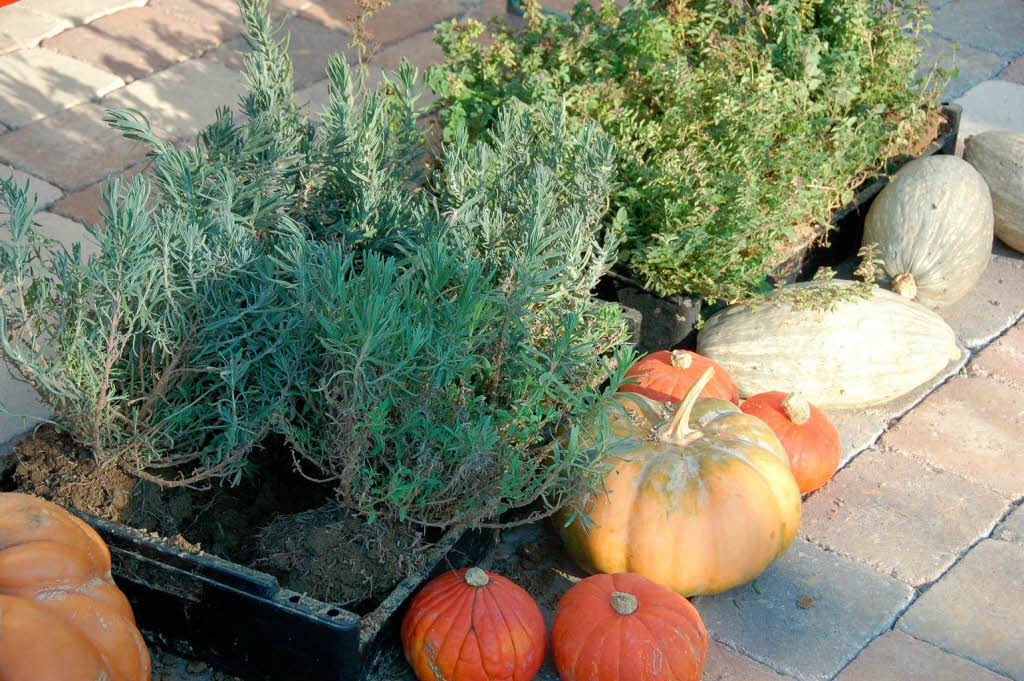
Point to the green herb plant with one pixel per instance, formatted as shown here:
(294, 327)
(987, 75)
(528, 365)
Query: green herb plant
(423, 342)
(741, 125)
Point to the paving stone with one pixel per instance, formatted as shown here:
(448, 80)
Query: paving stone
(22, 27)
(808, 614)
(973, 65)
(1004, 359)
(390, 24)
(135, 42)
(994, 25)
(71, 149)
(221, 16)
(79, 12)
(972, 426)
(67, 232)
(858, 430)
(725, 664)
(900, 516)
(896, 656)
(84, 205)
(1014, 72)
(420, 49)
(975, 611)
(992, 306)
(37, 83)
(44, 192)
(1012, 529)
(182, 99)
(991, 105)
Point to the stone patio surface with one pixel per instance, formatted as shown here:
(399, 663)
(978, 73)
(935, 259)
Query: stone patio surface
(910, 563)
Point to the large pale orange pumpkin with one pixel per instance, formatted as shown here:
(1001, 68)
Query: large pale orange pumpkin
(61, 616)
(809, 437)
(699, 501)
(472, 625)
(667, 375)
(627, 628)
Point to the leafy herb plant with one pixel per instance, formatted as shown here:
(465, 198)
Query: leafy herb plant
(426, 343)
(741, 125)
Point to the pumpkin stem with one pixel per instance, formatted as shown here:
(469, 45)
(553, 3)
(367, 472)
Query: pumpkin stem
(681, 359)
(476, 577)
(797, 408)
(904, 285)
(679, 431)
(624, 603)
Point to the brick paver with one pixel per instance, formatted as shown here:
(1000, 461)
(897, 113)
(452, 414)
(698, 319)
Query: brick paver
(900, 516)
(725, 664)
(389, 25)
(85, 204)
(79, 12)
(1004, 359)
(973, 65)
(808, 614)
(972, 426)
(899, 657)
(44, 192)
(220, 16)
(1014, 72)
(37, 83)
(177, 101)
(71, 149)
(1012, 529)
(993, 25)
(135, 42)
(22, 27)
(993, 305)
(975, 610)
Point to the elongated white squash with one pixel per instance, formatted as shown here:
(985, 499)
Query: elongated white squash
(999, 157)
(933, 223)
(864, 351)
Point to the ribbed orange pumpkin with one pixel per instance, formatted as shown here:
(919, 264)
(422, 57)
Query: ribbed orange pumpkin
(667, 375)
(625, 627)
(700, 501)
(472, 625)
(810, 438)
(61, 616)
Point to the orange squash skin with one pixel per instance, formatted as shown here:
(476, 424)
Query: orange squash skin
(61, 615)
(700, 517)
(663, 639)
(667, 375)
(455, 631)
(813, 446)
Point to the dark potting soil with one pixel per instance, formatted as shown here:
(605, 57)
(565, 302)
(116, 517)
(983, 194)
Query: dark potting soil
(277, 521)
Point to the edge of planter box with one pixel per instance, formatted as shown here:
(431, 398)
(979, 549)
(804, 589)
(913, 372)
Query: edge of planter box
(683, 310)
(241, 621)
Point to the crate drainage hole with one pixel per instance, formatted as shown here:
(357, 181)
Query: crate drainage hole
(294, 599)
(333, 612)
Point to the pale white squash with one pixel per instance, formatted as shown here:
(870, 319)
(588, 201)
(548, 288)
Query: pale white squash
(999, 157)
(934, 225)
(864, 351)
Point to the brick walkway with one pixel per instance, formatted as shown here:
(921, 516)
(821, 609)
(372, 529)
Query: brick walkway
(909, 563)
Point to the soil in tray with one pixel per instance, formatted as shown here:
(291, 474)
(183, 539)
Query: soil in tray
(277, 522)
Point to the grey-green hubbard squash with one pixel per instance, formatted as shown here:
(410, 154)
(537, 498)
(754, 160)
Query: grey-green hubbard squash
(861, 352)
(999, 157)
(933, 224)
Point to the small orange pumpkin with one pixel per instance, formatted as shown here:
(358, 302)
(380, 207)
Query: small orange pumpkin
(667, 375)
(61, 616)
(624, 627)
(809, 437)
(472, 625)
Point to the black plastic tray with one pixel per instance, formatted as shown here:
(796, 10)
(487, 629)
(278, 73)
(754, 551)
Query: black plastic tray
(241, 621)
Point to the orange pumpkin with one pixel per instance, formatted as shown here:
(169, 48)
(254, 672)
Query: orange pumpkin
(810, 438)
(472, 625)
(667, 375)
(61, 616)
(627, 628)
(700, 501)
